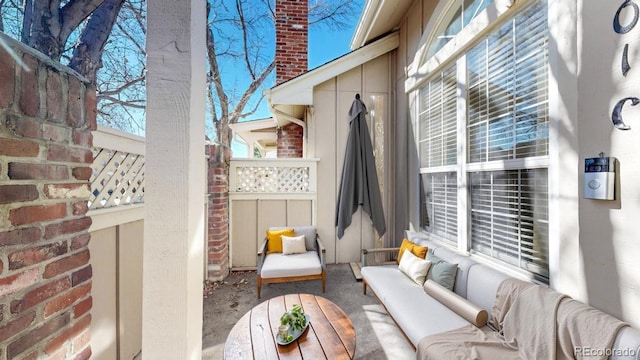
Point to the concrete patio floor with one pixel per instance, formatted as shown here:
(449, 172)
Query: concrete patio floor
(377, 336)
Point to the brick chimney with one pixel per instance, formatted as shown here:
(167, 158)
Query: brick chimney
(292, 29)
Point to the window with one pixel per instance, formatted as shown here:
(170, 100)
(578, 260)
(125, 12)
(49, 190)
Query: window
(501, 171)
(459, 16)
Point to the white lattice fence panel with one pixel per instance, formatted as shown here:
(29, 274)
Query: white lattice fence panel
(117, 179)
(273, 179)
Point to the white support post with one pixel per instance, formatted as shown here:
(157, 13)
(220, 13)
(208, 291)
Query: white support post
(174, 208)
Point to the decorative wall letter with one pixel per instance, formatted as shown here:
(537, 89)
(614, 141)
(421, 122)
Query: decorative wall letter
(616, 114)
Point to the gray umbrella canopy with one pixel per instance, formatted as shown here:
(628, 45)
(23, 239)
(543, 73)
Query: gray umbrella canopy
(359, 183)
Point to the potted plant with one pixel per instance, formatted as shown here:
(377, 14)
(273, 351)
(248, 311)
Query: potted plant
(293, 319)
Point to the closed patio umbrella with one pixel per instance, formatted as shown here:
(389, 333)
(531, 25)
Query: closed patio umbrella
(359, 183)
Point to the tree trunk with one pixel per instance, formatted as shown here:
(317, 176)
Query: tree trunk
(87, 55)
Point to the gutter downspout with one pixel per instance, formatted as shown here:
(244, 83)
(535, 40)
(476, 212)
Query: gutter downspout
(277, 113)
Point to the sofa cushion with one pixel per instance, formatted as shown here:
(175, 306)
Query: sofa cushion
(417, 314)
(414, 267)
(482, 285)
(415, 249)
(280, 265)
(274, 244)
(293, 245)
(457, 303)
(442, 272)
(309, 233)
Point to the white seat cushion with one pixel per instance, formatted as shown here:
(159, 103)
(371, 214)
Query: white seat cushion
(279, 265)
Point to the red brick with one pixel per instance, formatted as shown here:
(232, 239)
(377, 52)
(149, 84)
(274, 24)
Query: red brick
(81, 342)
(82, 275)
(40, 294)
(91, 107)
(69, 334)
(24, 127)
(82, 173)
(16, 326)
(58, 153)
(18, 282)
(33, 356)
(56, 133)
(65, 300)
(17, 147)
(82, 137)
(54, 97)
(20, 236)
(27, 257)
(64, 153)
(38, 213)
(66, 264)
(74, 113)
(80, 207)
(67, 227)
(23, 171)
(18, 193)
(85, 354)
(8, 76)
(67, 191)
(33, 337)
(29, 102)
(80, 241)
(82, 307)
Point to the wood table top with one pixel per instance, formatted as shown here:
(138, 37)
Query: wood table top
(330, 334)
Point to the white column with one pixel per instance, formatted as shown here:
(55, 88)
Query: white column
(174, 206)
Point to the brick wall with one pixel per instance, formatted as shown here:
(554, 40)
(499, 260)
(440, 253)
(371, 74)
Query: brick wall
(292, 25)
(46, 118)
(290, 139)
(218, 230)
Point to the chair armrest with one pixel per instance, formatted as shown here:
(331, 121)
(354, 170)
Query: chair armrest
(365, 252)
(262, 253)
(322, 252)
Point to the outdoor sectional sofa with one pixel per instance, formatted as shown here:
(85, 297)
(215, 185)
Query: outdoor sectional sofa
(437, 332)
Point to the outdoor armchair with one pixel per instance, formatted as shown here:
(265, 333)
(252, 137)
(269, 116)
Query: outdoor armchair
(276, 267)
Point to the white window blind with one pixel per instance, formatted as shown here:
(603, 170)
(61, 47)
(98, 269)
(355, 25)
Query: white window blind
(438, 120)
(439, 213)
(507, 93)
(506, 123)
(509, 217)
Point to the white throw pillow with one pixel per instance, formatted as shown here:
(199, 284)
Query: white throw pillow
(414, 267)
(293, 245)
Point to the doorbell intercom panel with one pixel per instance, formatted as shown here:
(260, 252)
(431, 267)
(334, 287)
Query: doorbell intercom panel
(600, 178)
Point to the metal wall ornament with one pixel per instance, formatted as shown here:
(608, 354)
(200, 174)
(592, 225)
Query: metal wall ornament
(616, 114)
(616, 19)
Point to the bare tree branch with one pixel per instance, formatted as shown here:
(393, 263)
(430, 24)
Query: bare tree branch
(127, 103)
(123, 87)
(243, 25)
(255, 85)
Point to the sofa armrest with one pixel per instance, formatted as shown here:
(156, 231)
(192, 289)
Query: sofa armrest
(262, 253)
(322, 252)
(366, 252)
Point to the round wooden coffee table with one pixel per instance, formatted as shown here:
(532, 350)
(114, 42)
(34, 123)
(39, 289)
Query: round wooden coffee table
(330, 334)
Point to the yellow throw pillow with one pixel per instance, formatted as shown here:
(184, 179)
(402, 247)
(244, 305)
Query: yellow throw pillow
(274, 244)
(417, 250)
